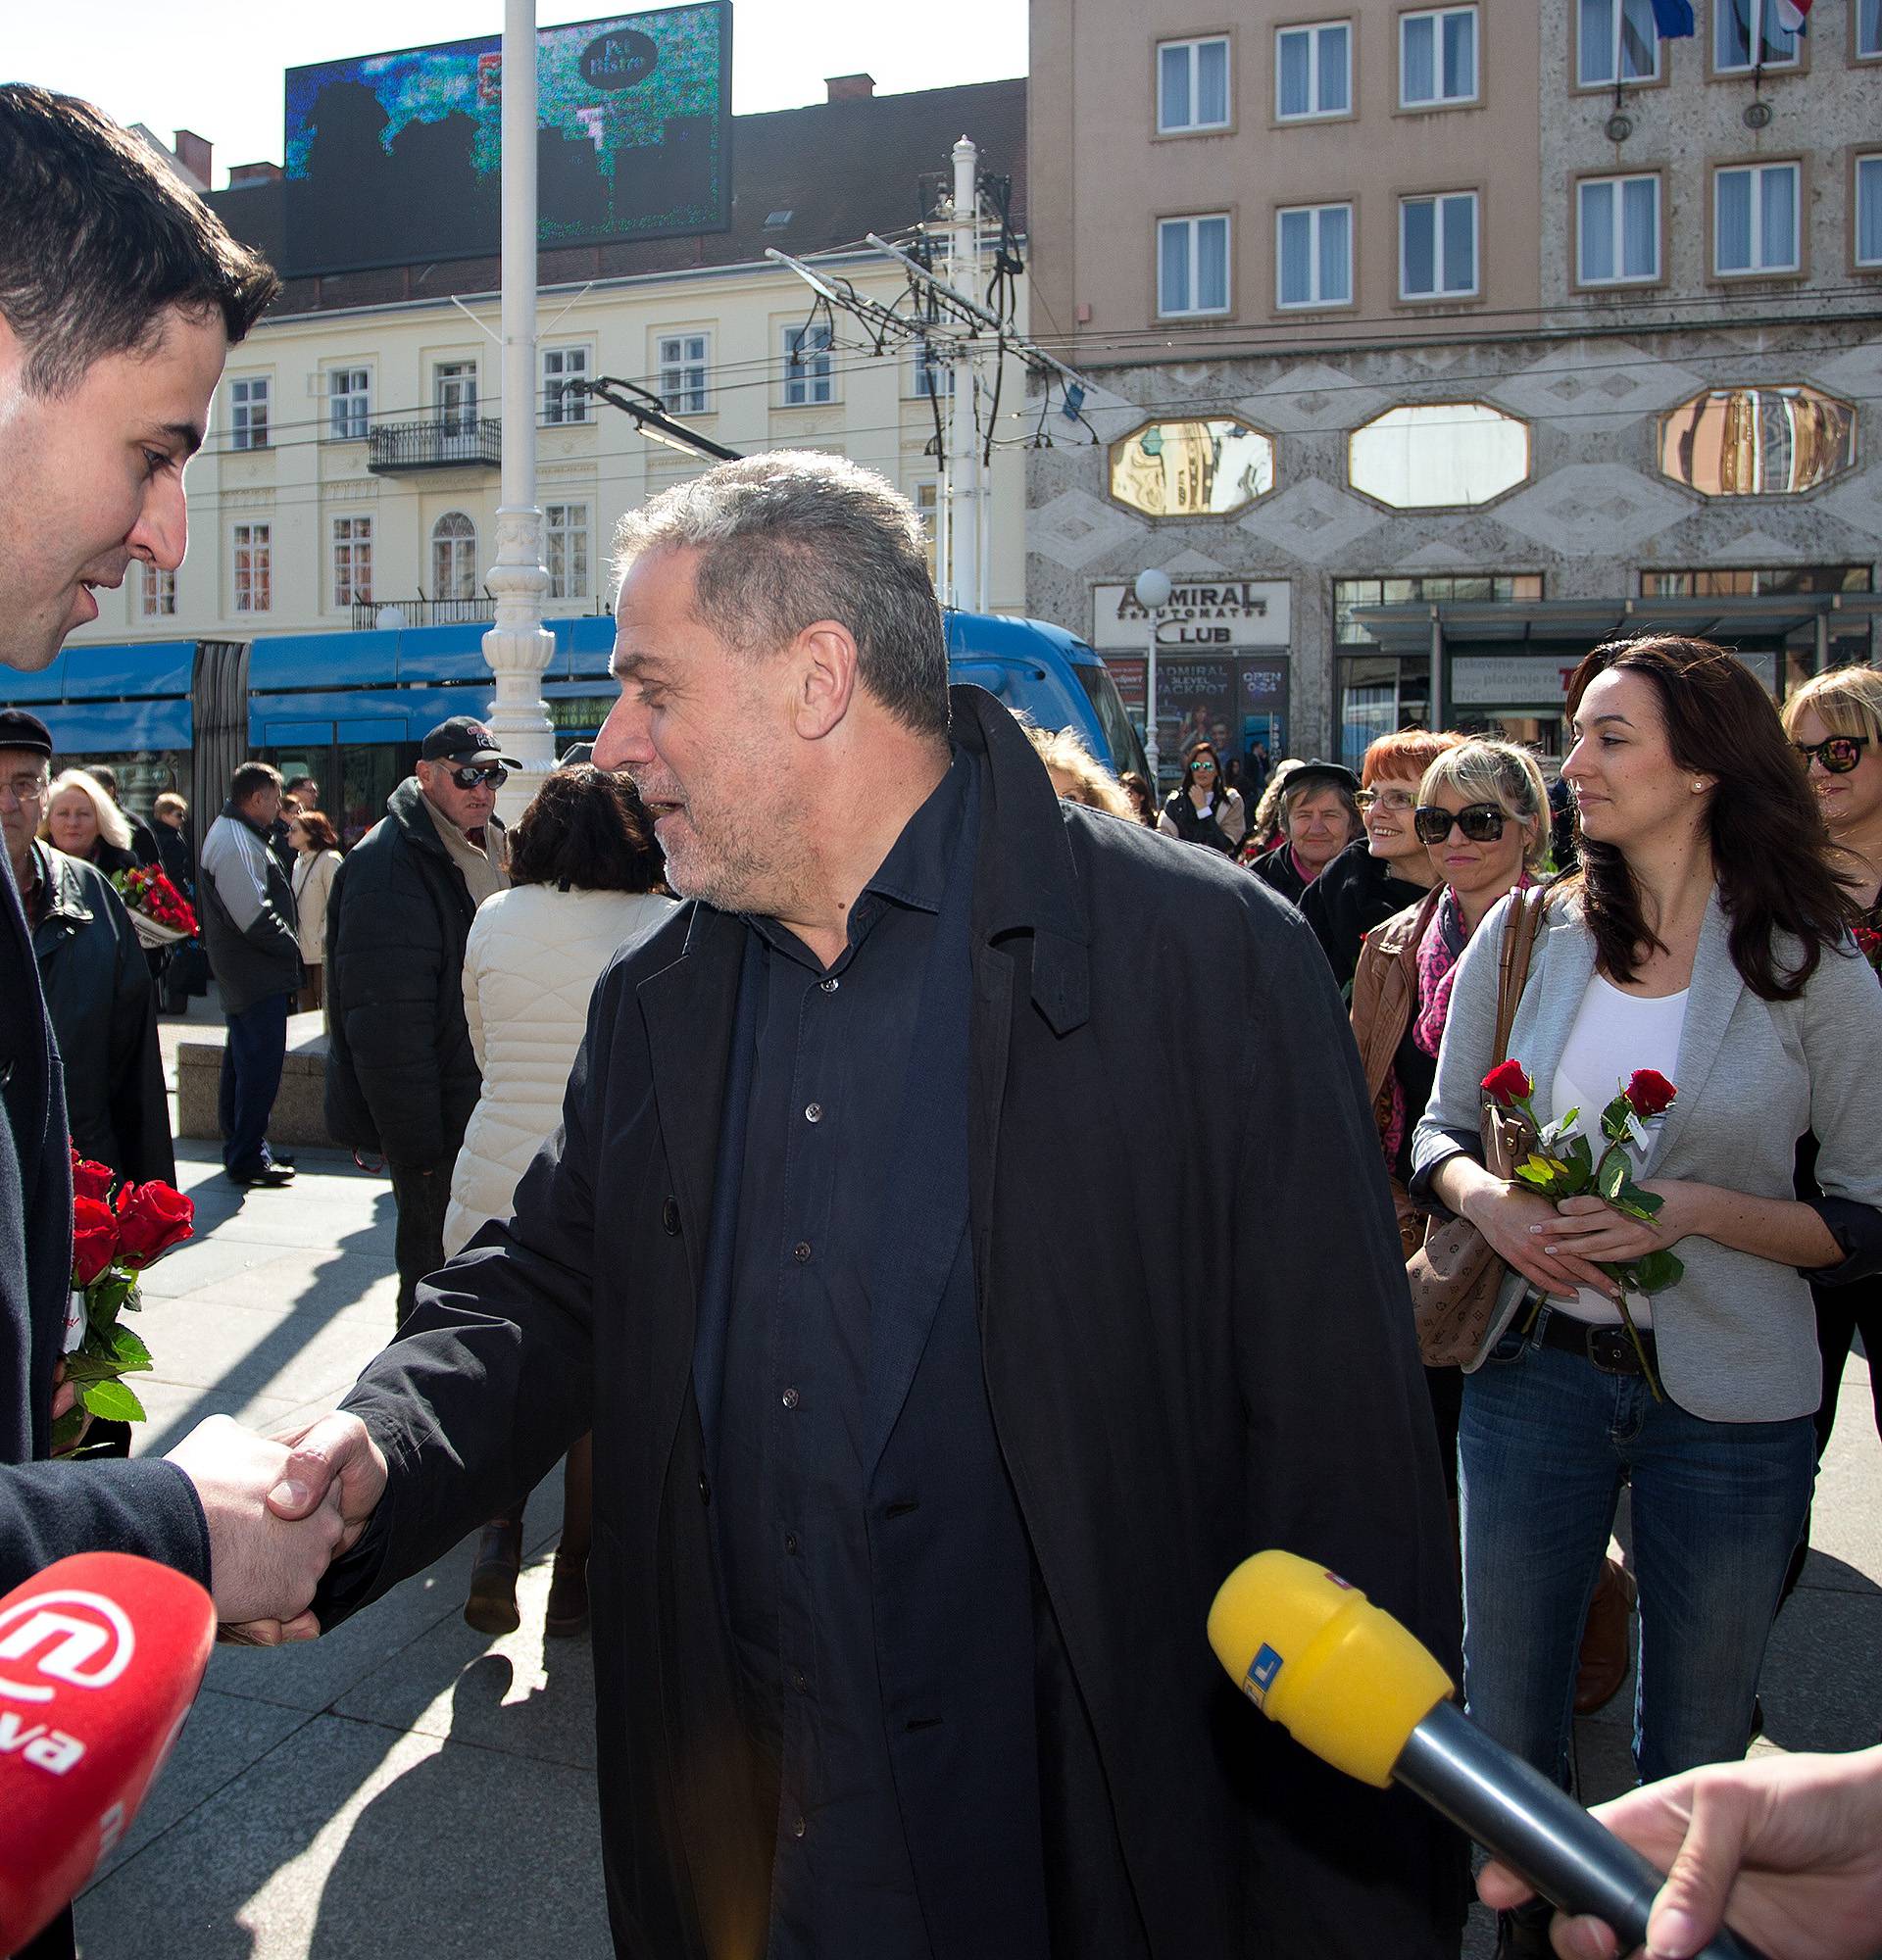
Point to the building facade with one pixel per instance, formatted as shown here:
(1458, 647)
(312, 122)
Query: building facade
(1429, 346)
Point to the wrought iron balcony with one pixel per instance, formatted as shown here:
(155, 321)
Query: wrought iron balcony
(368, 614)
(437, 442)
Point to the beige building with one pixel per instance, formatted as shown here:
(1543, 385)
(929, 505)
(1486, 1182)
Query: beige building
(1433, 344)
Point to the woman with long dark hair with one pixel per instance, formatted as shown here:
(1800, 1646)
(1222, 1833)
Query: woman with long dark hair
(1204, 809)
(1705, 936)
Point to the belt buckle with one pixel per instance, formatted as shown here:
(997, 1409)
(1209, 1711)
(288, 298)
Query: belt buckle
(1611, 1352)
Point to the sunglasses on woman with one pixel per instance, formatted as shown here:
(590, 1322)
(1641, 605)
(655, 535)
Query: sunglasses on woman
(468, 778)
(1480, 822)
(1838, 755)
(1196, 768)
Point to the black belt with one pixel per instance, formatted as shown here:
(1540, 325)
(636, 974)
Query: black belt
(1610, 1349)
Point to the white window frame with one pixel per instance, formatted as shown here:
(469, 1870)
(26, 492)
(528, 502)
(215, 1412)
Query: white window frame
(251, 558)
(1869, 30)
(157, 592)
(458, 546)
(1757, 269)
(1315, 31)
(684, 362)
(1867, 166)
(1610, 75)
(349, 540)
(248, 412)
(1757, 11)
(810, 382)
(1441, 200)
(565, 361)
(1616, 225)
(930, 374)
(1192, 49)
(457, 389)
(1315, 214)
(1437, 16)
(565, 532)
(1193, 224)
(349, 404)
(927, 507)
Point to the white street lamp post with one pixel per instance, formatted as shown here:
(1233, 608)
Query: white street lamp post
(1153, 591)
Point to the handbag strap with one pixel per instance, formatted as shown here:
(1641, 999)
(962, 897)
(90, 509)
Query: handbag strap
(1519, 927)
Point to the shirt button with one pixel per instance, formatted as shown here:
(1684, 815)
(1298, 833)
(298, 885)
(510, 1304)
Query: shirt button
(801, 1252)
(813, 1112)
(828, 986)
(670, 1217)
(798, 1827)
(800, 1681)
(789, 1398)
(790, 1543)
(704, 1492)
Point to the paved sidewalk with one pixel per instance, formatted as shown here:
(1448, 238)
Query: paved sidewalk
(407, 1786)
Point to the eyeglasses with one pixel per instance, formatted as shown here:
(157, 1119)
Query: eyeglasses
(1480, 822)
(1838, 755)
(26, 789)
(1397, 802)
(469, 779)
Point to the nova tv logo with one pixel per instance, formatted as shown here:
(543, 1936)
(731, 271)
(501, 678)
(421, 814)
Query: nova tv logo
(81, 1640)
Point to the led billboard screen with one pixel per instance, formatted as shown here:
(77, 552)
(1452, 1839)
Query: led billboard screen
(396, 159)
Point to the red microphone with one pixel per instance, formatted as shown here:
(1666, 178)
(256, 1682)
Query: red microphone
(100, 1658)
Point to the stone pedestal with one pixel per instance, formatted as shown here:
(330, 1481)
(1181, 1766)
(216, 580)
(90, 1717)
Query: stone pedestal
(298, 1116)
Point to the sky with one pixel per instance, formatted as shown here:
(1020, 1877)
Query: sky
(215, 66)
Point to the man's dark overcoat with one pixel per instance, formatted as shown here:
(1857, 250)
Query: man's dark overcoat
(1197, 1342)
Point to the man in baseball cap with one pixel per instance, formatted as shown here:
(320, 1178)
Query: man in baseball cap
(466, 742)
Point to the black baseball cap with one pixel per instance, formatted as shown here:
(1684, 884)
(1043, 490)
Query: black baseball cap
(21, 730)
(1315, 773)
(464, 739)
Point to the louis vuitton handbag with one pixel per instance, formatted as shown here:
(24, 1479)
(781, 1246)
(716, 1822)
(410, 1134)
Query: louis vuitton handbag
(1454, 1276)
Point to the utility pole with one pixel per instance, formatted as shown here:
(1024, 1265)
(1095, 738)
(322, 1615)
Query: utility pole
(960, 483)
(519, 647)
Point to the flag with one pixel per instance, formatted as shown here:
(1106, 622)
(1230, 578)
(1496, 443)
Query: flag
(1674, 18)
(1791, 14)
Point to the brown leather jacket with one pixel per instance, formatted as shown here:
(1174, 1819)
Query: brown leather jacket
(1385, 997)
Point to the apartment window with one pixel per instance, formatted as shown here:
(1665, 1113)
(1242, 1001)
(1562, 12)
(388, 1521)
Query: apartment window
(352, 560)
(1192, 86)
(927, 507)
(249, 552)
(808, 380)
(1314, 251)
(932, 374)
(156, 594)
(683, 360)
(454, 391)
(1438, 246)
(1313, 71)
(560, 402)
(1618, 42)
(1437, 58)
(1618, 230)
(1755, 219)
(454, 556)
(349, 404)
(565, 533)
(1750, 33)
(1191, 266)
(1868, 31)
(248, 412)
(1868, 209)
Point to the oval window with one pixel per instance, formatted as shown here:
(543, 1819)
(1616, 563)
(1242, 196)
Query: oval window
(1757, 442)
(1438, 456)
(1203, 468)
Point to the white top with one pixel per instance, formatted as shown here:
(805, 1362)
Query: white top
(1614, 1033)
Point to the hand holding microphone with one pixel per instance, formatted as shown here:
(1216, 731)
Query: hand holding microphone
(1349, 1682)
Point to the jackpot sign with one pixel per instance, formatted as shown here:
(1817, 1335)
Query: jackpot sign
(1203, 617)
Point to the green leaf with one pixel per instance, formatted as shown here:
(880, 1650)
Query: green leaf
(1531, 1173)
(88, 1364)
(129, 1350)
(1612, 1176)
(1581, 1157)
(1613, 1118)
(105, 1298)
(112, 1401)
(1636, 1203)
(1657, 1272)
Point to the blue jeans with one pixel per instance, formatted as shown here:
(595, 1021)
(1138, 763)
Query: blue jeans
(1546, 1442)
(252, 1058)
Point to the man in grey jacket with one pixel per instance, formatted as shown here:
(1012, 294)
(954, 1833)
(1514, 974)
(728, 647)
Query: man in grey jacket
(254, 951)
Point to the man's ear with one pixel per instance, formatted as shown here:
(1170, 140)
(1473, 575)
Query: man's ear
(825, 678)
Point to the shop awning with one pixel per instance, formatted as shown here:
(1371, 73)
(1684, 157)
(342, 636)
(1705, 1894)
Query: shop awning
(1547, 623)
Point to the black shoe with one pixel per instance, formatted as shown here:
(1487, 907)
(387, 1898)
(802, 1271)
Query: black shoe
(270, 1177)
(491, 1607)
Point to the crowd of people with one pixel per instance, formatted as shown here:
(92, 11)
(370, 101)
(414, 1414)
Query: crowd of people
(748, 1159)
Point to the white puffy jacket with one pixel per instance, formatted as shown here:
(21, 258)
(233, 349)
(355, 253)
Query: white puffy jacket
(529, 965)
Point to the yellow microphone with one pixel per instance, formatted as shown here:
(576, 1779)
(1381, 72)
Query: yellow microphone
(1345, 1679)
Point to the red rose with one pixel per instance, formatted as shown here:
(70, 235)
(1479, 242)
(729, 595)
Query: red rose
(94, 1240)
(152, 1218)
(1506, 1084)
(1650, 1093)
(91, 1180)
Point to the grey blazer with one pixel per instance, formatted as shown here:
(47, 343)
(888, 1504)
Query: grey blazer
(1737, 1336)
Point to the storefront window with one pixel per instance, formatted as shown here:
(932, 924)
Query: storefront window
(1438, 456)
(1757, 442)
(1350, 594)
(1207, 469)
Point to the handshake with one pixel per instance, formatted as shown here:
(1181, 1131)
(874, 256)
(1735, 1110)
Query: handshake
(280, 1512)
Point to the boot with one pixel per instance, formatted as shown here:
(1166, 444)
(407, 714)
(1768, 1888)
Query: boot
(568, 1613)
(1602, 1664)
(491, 1607)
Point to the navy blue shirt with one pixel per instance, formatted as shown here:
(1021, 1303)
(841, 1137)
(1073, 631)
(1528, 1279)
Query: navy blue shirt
(794, 1453)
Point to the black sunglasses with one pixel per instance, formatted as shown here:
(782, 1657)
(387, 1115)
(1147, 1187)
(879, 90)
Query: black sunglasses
(1839, 755)
(469, 779)
(1480, 822)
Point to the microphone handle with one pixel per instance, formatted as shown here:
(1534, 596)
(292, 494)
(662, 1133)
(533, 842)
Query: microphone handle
(1515, 1813)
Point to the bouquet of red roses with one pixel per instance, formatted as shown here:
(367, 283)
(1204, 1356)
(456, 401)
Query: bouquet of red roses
(114, 1237)
(158, 909)
(1563, 1164)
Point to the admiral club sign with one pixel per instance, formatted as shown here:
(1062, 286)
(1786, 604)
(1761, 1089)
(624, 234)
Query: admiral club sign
(1203, 617)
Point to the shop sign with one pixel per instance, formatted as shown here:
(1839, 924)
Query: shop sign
(1541, 680)
(1204, 615)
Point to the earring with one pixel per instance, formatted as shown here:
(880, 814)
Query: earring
(1698, 788)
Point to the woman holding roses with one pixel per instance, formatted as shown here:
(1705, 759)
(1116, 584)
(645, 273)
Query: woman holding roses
(1703, 936)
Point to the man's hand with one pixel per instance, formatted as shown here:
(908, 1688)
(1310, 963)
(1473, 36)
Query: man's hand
(1788, 1848)
(330, 1459)
(262, 1568)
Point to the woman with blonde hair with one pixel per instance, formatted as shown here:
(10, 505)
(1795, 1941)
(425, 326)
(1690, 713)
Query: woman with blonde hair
(84, 822)
(1076, 773)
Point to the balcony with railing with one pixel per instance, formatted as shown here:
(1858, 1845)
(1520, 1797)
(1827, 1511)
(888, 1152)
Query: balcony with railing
(434, 442)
